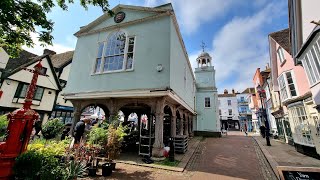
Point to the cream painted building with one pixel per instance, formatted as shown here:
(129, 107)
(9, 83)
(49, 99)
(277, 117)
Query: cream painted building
(15, 80)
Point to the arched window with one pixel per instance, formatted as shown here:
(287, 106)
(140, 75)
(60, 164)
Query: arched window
(117, 54)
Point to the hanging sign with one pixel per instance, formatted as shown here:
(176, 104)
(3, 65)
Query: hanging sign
(298, 173)
(119, 17)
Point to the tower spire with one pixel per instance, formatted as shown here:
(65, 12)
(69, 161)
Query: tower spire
(203, 45)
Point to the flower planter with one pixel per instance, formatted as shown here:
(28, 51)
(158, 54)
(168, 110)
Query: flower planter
(92, 171)
(106, 169)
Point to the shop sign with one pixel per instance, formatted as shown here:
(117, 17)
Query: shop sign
(298, 173)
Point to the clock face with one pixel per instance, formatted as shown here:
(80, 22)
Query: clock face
(204, 80)
(119, 17)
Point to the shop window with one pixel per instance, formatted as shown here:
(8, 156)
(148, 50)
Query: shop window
(302, 134)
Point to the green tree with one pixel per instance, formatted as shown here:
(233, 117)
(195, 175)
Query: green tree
(19, 18)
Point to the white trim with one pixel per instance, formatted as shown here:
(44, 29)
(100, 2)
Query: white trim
(285, 78)
(129, 94)
(103, 57)
(280, 53)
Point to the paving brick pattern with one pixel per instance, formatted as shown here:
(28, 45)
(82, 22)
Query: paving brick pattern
(230, 157)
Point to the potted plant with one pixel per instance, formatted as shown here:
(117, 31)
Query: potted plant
(52, 128)
(93, 150)
(115, 138)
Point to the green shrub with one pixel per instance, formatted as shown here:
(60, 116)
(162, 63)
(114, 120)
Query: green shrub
(52, 128)
(98, 135)
(3, 125)
(34, 165)
(50, 147)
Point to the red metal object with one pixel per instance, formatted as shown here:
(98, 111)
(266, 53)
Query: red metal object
(19, 129)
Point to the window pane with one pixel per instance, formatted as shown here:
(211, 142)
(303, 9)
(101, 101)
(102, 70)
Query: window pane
(130, 49)
(129, 60)
(310, 69)
(315, 64)
(307, 70)
(115, 52)
(38, 93)
(98, 63)
(291, 84)
(100, 50)
(24, 90)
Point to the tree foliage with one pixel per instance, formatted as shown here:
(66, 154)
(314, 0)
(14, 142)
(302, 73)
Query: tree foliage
(20, 18)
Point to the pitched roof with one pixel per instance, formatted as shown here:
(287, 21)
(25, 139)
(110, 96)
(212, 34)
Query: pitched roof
(105, 16)
(59, 60)
(24, 57)
(248, 91)
(283, 39)
(226, 95)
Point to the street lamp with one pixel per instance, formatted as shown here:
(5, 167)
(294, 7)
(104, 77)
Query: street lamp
(262, 95)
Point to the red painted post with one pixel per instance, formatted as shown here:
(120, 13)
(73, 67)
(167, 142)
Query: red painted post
(19, 129)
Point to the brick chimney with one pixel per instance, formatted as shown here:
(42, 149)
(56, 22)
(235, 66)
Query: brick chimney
(233, 92)
(49, 52)
(225, 91)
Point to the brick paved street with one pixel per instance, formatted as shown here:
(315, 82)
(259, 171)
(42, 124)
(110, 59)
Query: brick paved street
(230, 157)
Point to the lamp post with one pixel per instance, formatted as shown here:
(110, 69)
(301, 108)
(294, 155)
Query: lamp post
(262, 94)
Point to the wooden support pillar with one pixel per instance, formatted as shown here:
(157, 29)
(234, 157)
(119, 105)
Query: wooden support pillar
(190, 125)
(181, 123)
(173, 123)
(157, 150)
(186, 124)
(76, 116)
(173, 126)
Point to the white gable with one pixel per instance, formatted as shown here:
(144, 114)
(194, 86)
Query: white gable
(4, 57)
(26, 76)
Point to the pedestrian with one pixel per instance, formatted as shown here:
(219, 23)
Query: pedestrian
(245, 129)
(38, 127)
(87, 129)
(79, 130)
(65, 133)
(263, 131)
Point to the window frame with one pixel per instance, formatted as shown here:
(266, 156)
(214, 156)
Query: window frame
(125, 55)
(205, 102)
(287, 89)
(282, 58)
(229, 100)
(313, 72)
(230, 110)
(19, 89)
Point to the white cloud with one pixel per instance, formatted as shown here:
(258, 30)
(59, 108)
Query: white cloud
(151, 3)
(241, 46)
(192, 14)
(57, 47)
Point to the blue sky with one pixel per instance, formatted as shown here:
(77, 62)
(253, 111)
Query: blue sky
(235, 32)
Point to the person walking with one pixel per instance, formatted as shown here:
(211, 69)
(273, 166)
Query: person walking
(245, 129)
(38, 127)
(79, 130)
(263, 131)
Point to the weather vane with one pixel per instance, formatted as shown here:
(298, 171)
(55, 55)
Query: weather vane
(203, 45)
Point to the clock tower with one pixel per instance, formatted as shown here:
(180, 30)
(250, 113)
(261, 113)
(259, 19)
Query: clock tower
(208, 122)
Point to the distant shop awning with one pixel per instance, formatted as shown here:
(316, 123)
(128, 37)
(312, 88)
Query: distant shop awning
(63, 108)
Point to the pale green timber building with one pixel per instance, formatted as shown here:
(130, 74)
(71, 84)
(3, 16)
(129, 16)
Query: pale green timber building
(136, 62)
